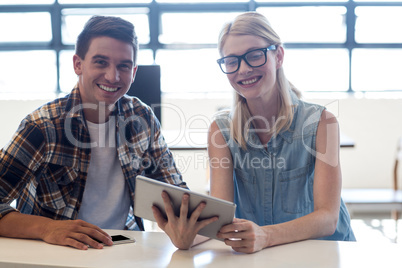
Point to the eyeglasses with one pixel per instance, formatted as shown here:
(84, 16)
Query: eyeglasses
(253, 58)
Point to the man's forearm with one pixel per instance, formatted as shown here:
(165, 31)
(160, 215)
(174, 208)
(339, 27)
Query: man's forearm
(18, 225)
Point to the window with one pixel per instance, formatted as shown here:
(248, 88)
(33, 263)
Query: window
(26, 2)
(330, 45)
(73, 21)
(25, 32)
(378, 24)
(190, 71)
(377, 69)
(317, 69)
(192, 28)
(30, 72)
(102, 1)
(317, 24)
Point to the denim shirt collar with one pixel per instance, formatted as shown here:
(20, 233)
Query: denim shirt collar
(287, 135)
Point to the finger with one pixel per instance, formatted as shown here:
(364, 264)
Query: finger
(92, 228)
(232, 235)
(96, 234)
(243, 249)
(184, 207)
(203, 223)
(106, 240)
(240, 246)
(168, 206)
(105, 234)
(236, 243)
(230, 228)
(197, 212)
(86, 240)
(75, 244)
(160, 219)
(101, 238)
(237, 220)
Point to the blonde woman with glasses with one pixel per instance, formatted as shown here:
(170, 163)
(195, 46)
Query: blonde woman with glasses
(274, 155)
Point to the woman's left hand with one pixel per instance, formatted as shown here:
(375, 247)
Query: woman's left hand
(183, 229)
(244, 236)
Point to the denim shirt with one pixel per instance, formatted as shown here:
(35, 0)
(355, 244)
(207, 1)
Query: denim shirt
(275, 184)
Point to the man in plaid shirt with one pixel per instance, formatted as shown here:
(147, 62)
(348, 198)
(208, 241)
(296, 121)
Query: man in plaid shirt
(72, 163)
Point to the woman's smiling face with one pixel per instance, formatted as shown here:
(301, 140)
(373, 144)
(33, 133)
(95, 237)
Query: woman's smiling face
(252, 82)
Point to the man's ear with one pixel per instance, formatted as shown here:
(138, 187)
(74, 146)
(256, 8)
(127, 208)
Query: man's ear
(134, 73)
(77, 64)
(280, 54)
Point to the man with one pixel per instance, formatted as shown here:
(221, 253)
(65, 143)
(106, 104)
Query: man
(72, 163)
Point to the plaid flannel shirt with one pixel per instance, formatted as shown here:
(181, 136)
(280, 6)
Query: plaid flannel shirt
(45, 165)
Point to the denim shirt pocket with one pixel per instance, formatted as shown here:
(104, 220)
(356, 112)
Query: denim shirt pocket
(297, 190)
(247, 188)
(55, 186)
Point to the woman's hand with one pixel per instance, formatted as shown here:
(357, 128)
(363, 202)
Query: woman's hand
(244, 236)
(183, 229)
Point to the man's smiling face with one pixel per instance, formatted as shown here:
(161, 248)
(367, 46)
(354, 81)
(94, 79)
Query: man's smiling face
(107, 71)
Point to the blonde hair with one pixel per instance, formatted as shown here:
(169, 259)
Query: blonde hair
(253, 23)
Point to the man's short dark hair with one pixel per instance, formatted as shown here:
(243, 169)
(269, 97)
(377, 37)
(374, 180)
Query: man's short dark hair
(114, 27)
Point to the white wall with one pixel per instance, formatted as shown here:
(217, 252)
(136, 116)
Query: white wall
(11, 114)
(374, 124)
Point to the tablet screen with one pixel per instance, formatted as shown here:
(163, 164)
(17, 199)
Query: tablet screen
(148, 192)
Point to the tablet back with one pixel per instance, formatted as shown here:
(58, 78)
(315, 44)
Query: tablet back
(148, 192)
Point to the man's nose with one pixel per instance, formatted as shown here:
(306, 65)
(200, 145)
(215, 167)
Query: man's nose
(112, 75)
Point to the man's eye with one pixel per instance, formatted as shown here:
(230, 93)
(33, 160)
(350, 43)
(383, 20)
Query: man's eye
(125, 67)
(100, 62)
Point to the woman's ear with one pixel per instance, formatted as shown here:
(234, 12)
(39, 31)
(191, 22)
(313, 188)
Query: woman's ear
(280, 53)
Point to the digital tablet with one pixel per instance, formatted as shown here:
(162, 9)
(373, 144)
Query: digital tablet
(148, 192)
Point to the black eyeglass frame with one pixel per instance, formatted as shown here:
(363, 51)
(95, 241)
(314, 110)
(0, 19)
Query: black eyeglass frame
(221, 60)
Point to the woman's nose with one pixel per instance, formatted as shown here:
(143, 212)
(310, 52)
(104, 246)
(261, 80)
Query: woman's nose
(244, 67)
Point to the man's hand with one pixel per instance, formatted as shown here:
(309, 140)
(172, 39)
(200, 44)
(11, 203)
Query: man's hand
(76, 233)
(181, 230)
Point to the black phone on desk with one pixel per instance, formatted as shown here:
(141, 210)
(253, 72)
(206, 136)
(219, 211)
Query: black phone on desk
(122, 239)
(119, 239)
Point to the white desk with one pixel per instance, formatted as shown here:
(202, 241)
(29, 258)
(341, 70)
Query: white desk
(154, 249)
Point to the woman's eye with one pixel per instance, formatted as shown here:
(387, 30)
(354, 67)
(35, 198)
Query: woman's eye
(231, 62)
(254, 56)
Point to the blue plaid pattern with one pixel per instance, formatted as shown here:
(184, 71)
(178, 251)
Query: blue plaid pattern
(45, 164)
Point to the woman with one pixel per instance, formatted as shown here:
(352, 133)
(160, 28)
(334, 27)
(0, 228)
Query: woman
(274, 155)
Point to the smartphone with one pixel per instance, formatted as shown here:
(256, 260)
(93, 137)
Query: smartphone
(122, 239)
(119, 239)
